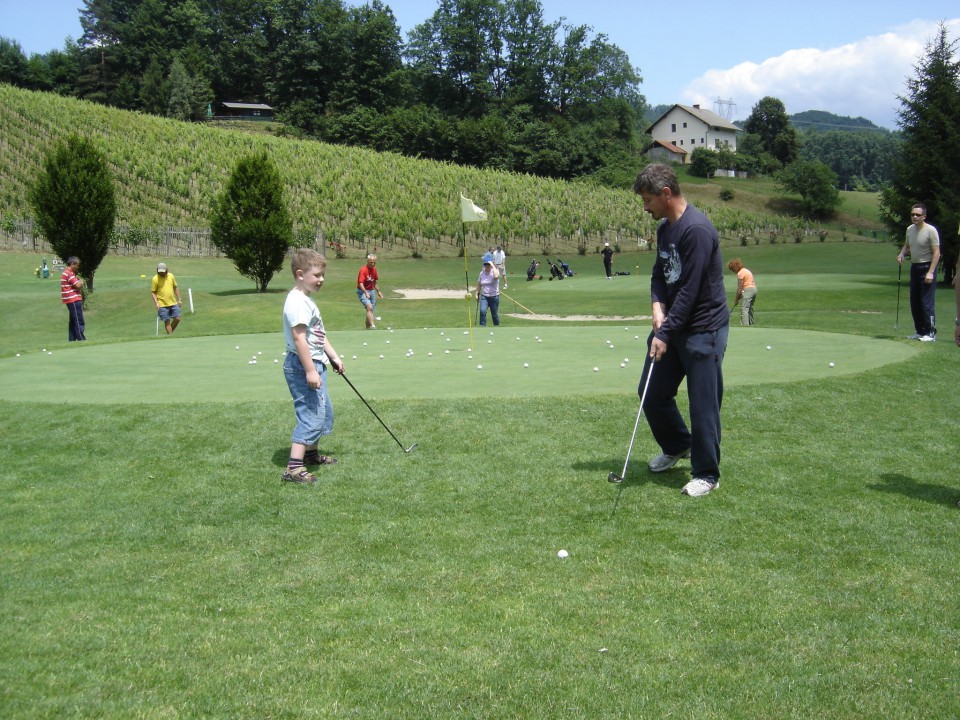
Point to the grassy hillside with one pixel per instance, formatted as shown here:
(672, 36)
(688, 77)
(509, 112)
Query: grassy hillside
(168, 174)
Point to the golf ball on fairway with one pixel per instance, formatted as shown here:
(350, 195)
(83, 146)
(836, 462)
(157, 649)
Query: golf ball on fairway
(525, 364)
(275, 360)
(479, 367)
(623, 364)
(447, 352)
(562, 554)
(769, 348)
(596, 369)
(429, 354)
(831, 364)
(381, 357)
(238, 347)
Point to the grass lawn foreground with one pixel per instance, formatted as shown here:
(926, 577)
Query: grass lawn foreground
(153, 564)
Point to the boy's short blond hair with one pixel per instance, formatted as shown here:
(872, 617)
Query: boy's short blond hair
(305, 258)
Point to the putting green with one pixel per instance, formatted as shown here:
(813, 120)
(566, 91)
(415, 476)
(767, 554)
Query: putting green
(559, 361)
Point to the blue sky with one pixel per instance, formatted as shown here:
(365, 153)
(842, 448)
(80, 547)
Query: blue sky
(850, 58)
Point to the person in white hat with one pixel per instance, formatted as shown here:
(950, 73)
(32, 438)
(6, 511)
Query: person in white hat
(488, 291)
(166, 296)
(607, 254)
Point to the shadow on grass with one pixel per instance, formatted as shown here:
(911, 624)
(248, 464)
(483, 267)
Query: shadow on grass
(250, 291)
(908, 487)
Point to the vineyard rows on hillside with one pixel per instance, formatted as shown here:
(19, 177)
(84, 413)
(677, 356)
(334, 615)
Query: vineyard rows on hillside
(169, 173)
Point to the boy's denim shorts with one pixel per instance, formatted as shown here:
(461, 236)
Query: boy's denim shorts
(312, 406)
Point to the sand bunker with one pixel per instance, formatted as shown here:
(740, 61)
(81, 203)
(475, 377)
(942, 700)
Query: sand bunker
(425, 294)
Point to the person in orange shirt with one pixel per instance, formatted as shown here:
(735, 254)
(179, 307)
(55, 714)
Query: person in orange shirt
(746, 291)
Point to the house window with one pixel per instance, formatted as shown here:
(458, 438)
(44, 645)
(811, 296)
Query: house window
(693, 141)
(681, 142)
(684, 124)
(702, 141)
(673, 127)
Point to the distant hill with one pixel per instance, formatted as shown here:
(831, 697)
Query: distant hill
(819, 120)
(824, 121)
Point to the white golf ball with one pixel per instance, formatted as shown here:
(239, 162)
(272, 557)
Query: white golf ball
(769, 348)
(626, 360)
(381, 357)
(429, 354)
(259, 352)
(354, 357)
(50, 353)
(596, 369)
(379, 318)
(489, 342)
(364, 344)
(562, 554)
(623, 364)
(611, 347)
(275, 360)
(479, 367)
(526, 365)
(251, 362)
(238, 347)
(388, 342)
(18, 354)
(518, 339)
(441, 334)
(831, 364)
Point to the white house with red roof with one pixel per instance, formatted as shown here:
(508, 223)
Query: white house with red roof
(684, 128)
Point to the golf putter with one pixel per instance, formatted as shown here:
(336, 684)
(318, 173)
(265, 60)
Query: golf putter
(406, 450)
(613, 477)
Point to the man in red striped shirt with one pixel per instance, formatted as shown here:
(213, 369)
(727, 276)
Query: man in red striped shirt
(71, 296)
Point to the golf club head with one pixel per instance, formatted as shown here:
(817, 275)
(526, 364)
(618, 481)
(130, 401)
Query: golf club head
(614, 478)
(409, 449)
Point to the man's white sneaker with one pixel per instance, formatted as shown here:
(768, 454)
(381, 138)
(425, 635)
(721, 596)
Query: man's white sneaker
(915, 336)
(928, 338)
(664, 462)
(699, 486)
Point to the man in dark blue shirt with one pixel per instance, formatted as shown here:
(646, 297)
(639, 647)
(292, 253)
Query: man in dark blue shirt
(690, 326)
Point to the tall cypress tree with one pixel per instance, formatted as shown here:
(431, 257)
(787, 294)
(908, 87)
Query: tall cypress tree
(74, 203)
(251, 224)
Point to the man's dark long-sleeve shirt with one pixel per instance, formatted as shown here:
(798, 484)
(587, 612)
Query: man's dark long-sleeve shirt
(688, 276)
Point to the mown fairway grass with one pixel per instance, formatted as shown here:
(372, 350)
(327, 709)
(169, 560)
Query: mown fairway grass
(153, 565)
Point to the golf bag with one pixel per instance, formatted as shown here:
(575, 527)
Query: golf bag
(566, 268)
(555, 272)
(532, 270)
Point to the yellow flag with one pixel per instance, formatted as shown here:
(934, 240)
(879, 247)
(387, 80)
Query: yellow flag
(470, 212)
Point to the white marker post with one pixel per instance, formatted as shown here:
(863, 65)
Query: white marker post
(190, 295)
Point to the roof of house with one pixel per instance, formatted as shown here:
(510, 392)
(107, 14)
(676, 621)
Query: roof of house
(706, 116)
(246, 106)
(668, 146)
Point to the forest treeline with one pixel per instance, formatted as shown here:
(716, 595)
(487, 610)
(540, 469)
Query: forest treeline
(487, 83)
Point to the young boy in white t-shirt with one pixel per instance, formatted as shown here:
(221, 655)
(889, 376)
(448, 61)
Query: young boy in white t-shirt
(305, 367)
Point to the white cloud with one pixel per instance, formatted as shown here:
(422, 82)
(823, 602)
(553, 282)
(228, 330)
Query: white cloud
(862, 78)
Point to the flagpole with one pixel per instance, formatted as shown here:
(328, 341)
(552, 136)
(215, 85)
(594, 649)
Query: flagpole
(466, 277)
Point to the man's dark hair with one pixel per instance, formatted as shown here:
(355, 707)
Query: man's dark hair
(654, 178)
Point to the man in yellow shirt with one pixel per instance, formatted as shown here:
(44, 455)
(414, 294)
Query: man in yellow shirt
(166, 296)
